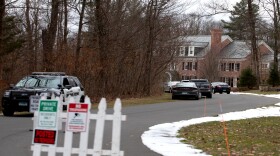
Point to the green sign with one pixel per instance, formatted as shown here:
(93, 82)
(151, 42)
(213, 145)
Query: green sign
(48, 106)
(47, 117)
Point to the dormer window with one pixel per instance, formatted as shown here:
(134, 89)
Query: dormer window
(181, 51)
(191, 51)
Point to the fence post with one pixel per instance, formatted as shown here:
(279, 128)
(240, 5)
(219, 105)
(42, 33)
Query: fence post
(84, 135)
(99, 129)
(68, 137)
(116, 131)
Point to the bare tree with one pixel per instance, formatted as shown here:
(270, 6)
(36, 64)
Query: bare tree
(2, 14)
(78, 46)
(255, 53)
(49, 36)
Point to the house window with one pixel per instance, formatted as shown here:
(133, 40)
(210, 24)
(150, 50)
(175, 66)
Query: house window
(182, 51)
(231, 66)
(189, 66)
(223, 66)
(237, 66)
(190, 52)
(227, 66)
(264, 66)
(198, 49)
(186, 50)
(172, 66)
(228, 80)
(195, 66)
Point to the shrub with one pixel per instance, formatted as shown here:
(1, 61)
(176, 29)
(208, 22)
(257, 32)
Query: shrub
(247, 78)
(273, 76)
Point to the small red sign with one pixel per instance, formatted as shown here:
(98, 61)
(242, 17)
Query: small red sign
(77, 117)
(42, 136)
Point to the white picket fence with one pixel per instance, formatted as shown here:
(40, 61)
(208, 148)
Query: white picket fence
(97, 150)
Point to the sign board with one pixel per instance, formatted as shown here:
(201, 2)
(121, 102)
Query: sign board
(42, 136)
(34, 103)
(47, 114)
(77, 115)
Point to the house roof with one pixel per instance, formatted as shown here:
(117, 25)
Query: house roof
(203, 38)
(236, 49)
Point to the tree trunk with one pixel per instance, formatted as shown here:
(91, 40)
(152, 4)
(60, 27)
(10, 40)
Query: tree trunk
(78, 47)
(2, 14)
(255, 55)
(30, 45)
(102, 39)
(49, 35)
(276, 32)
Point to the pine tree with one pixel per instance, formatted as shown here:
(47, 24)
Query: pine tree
(247, 78)
(12, 35)
(238, 26)
(274, 78)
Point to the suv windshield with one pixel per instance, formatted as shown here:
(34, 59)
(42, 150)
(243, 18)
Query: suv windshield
(39, 81)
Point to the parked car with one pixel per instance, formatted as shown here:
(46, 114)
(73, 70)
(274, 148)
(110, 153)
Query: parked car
(186, 89)
(185, 80)
(220, 87)
(17, 97)
(168, 86)
(204, 86)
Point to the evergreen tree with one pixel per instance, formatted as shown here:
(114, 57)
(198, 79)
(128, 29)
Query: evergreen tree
(238, 26)
(247, 78)
(12, 35)
(273, 76)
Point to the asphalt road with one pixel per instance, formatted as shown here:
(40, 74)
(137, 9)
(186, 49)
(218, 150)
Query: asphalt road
(16, 132)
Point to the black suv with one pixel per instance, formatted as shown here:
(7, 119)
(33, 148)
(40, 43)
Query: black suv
(204, 87)
(17, 97)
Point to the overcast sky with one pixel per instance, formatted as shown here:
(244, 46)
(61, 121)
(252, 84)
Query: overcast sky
(198, 6)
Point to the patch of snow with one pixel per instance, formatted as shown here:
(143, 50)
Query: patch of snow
(162, 138)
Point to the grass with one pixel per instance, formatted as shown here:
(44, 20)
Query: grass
(261, 92)
(248, 137)
(258, 136)
(166, 97)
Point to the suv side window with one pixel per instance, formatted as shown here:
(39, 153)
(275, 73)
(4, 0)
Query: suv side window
(65, 82)
(78, 83)
(72, 82)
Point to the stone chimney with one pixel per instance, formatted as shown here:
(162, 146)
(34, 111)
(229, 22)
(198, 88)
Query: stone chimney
(216, 38)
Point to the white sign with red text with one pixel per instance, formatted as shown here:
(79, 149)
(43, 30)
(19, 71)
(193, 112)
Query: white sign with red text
(77, 117)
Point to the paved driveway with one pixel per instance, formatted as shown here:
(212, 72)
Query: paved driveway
(16, 134)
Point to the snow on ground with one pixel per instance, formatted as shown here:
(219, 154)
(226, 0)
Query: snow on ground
(162, 138)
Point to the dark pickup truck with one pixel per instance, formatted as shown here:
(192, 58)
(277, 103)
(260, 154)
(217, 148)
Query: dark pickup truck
(204, 87)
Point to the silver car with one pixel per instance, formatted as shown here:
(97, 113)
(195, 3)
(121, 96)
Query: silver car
(169, 85)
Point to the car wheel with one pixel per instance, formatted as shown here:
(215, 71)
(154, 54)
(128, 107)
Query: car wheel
(8, 112)
(209, 96)
(221, 92)
(228, 92)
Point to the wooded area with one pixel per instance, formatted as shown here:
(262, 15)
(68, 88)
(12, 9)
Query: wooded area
(118, 48)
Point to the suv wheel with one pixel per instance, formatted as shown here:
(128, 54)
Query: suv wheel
(8, 112)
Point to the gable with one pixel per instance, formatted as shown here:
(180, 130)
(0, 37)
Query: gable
(199, 45)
